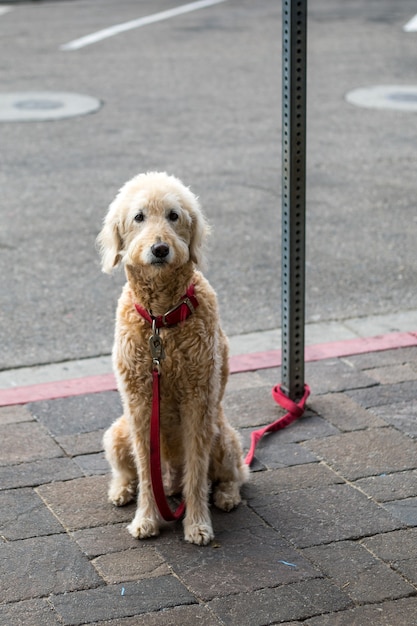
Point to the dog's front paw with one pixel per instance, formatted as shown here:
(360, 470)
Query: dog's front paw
(143, 527)
(121, 492)
(227, 496)
(201, 533)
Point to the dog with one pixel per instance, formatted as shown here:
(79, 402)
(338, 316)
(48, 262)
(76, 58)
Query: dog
(155, 228)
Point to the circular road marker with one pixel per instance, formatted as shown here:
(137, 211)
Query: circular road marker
(395, 97)
(44, 106)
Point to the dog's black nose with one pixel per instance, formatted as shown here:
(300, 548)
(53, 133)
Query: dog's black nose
(160, 250)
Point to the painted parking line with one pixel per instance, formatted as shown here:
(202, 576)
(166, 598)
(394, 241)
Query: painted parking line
(238, 364)
(411, 26)
(88, 40)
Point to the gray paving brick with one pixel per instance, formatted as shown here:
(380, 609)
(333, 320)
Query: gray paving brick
(309, 517)
(366, 453)
(92, 464)
(280, 604)
(228, 565)
(404, 510)
(82, 503)
(241, 517)
(131, 565)
(309, 426)
(115, 601)
(106, 539)
(26, 441)
(344, 412)
(384, 394)
(270, 376)
(402, 415)
(393, 546)
(272, 452)
(82, 443)
(37, 567)
(383, 358)
(399, 549)
(77, 414)
(191, 615)
(333, 375)
(283, 480)
(14, 415)
(28, 613)
(386, 487)
(395, 613)
(362, 576)
(244, 380)
(23, 515)
(389, 374)
(251, 407)
(38, 472)
(256, 465)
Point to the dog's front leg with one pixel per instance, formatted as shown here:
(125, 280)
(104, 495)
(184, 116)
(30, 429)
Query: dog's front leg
(146, 521)
(198, 435)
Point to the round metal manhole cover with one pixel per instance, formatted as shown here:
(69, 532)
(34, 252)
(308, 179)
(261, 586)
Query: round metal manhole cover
(399, 98)
(35, 106)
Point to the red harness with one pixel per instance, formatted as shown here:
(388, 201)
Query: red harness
(174, 316)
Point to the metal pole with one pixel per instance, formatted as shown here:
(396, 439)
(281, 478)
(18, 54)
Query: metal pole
(294, 65)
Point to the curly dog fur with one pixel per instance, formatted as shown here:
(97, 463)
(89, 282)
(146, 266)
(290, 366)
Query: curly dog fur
(156, 229)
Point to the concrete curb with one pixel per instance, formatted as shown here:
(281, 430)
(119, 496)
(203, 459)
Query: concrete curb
(238, 364)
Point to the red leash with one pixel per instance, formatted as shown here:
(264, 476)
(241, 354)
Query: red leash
(156, 471)
(295, 410)
(177, 314)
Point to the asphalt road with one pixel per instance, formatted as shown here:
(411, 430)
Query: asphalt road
(198, 95)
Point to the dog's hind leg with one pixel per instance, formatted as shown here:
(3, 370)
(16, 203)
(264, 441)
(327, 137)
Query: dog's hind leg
(118, 452)
(228, 471)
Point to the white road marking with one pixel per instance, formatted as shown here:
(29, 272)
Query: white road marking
(76, 44)
(5, 9)
(411, 26)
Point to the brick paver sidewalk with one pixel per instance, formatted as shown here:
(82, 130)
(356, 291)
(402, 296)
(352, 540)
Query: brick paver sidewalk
(327, 533)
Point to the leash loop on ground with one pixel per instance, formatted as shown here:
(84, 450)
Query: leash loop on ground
(295, 410)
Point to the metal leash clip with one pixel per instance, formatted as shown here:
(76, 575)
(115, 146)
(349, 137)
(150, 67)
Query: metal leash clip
(157, 347)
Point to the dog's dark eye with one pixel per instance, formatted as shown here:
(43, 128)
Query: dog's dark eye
(173, 216)
(139, 217)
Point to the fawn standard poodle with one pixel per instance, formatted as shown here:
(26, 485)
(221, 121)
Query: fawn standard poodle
(156, 229)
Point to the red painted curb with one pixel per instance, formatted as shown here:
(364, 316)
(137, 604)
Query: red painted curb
(238, 364)
(318, 352)
(57, 389)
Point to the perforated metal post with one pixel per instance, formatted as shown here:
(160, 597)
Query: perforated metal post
(294, 65)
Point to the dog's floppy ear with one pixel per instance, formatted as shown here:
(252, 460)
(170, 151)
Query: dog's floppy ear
(109, 242)
(199, 231)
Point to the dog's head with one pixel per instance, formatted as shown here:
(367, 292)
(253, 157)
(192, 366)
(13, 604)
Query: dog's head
(154, 221)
